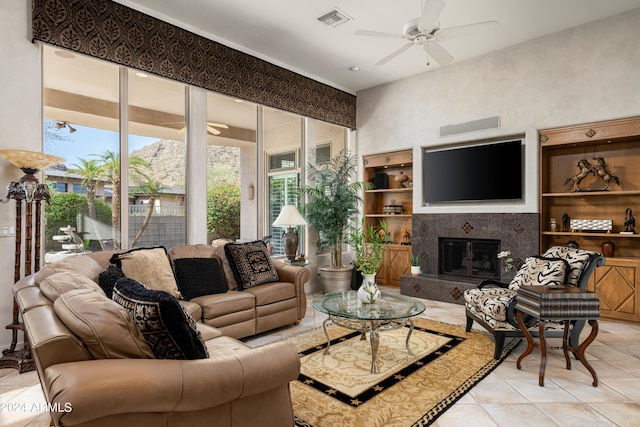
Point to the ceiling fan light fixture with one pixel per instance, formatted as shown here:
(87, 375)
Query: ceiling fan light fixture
(61, 125)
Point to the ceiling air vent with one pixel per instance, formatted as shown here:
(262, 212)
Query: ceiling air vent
(334, 18)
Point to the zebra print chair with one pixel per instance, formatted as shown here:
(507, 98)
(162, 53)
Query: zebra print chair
(492, 303)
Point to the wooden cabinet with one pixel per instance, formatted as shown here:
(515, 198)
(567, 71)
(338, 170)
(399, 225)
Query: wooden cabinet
(391, 201)
(601, 202)
(616, 284)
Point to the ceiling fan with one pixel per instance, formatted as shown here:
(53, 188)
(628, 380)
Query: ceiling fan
(425, 32)
(211, 127)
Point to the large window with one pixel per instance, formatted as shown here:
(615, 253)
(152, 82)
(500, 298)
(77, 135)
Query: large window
(283, 138)
(157, 162)
(231, 168)
(124, 180)
(81, 116)
(83, 104)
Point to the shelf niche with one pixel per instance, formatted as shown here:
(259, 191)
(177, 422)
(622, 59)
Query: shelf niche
(617, 283)
(391, 201)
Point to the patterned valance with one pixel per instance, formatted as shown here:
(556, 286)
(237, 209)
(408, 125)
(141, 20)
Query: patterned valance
(110, 31)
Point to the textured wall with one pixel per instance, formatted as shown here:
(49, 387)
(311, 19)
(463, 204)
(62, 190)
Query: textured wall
(588, 73)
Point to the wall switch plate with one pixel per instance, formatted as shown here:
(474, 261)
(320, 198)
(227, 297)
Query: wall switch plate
(7, 231)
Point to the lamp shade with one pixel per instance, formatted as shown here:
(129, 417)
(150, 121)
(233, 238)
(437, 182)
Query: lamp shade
(30, 159)
(288, 217)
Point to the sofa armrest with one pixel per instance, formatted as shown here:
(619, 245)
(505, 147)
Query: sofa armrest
(102, 388)
(298, 276)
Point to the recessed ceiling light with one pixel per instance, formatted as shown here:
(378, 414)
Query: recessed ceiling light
(64, 54)
(354, 68)
(141, 74)
(239, 100)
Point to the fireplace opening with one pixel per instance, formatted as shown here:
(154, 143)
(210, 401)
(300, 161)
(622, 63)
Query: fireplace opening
(472, 258)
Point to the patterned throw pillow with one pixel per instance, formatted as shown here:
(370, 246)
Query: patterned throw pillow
(539, 271)
(166, 326)
(199, 276)
(149, 266)
(251, 264)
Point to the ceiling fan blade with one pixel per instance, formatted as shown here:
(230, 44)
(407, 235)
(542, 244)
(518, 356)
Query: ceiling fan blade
(213, 130)
(430, 14)
(438, 53)
(467, 30)
(394, 54)
(378, 34)
(218, 125)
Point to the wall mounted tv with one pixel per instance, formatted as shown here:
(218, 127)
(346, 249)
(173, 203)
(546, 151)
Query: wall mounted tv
(473, 173)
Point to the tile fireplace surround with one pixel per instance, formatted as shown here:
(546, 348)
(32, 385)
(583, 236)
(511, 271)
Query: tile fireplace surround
(517, 232)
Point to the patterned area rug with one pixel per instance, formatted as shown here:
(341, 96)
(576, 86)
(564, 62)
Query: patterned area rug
(410, 390)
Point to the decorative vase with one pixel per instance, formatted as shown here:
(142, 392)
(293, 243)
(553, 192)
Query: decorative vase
(415, 270)
(608, 248)
(369, 293)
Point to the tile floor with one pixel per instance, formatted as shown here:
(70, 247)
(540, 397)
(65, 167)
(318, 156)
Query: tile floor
(506, 397)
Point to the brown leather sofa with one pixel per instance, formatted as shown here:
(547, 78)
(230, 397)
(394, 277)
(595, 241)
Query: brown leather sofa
(104, 374)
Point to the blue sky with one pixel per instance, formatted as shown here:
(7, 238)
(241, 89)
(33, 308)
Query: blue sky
(86, 141)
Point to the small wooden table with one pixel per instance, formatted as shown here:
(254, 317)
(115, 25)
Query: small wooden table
(566, 303)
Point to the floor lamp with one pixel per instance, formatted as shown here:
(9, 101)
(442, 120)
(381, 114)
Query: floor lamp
(29, 190)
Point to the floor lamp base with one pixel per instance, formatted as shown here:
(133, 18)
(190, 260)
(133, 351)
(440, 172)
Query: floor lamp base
(18, 359)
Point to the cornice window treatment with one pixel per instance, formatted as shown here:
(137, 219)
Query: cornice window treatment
(110, 31)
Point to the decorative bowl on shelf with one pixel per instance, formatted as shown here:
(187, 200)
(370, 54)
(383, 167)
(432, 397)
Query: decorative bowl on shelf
(392, 209)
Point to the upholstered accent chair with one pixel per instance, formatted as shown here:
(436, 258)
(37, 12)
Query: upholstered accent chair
(492, 303)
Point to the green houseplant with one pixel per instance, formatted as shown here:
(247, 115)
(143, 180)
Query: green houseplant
(369, 245)
(415, 264)
(332, 204)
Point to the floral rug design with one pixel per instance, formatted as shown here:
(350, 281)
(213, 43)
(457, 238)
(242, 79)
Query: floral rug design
(411, 390)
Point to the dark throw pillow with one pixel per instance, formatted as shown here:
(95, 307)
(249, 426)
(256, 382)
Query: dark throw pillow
(251, 264)
(199, 276)
(108, 278)
(168, 329)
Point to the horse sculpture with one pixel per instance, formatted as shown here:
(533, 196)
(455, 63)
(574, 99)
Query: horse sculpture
(600, 170)
(585, 169)
(629, 221)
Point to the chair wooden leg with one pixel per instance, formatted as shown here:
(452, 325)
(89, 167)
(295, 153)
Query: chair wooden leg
(499, 336)
(469, 324)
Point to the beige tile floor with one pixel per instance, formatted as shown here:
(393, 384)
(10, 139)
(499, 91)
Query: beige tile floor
(507, 397)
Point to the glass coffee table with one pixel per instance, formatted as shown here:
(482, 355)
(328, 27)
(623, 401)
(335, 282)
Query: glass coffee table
(389, 312)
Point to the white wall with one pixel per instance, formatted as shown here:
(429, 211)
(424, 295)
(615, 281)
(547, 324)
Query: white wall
(588, 73)
(20, 126)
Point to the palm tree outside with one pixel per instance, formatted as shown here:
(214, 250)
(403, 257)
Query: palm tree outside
(110, 170)
(89, 171)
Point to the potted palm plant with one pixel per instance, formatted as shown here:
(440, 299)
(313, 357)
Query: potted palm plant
(369, 244)
(332, 204)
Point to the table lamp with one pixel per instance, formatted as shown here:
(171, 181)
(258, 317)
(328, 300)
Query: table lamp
(289, 217)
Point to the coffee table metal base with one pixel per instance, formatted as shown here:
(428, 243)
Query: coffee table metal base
(371, 326)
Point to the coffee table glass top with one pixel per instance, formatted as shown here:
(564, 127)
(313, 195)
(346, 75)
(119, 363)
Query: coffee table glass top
(347, 305)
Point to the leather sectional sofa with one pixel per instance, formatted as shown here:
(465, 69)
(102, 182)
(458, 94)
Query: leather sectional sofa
(98, 368)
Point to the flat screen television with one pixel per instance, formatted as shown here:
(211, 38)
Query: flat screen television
(476, 173)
